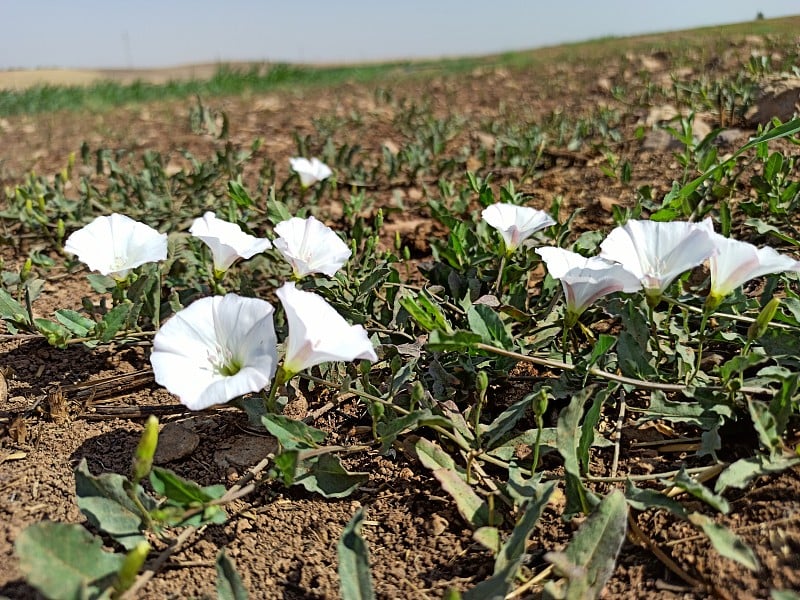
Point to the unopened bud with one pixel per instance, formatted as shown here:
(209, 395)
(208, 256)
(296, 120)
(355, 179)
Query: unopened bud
(134, 560)
(143, 459)
(760, 325)
(540, 403)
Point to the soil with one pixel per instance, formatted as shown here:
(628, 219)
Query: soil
(284, 540)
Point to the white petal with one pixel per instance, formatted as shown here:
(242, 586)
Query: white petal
(584, 280)
(191, 348)
(310, 171)
(515, 223)
(114, 244)
(310, 246)
(658, 252)
(737, 262)
(226, 240)
(317, 333)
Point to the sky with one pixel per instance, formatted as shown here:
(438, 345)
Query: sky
(160, 33)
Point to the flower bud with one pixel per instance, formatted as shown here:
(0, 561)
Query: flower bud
(130, 568)
(143, 459)
(760, 325)
(540, 403)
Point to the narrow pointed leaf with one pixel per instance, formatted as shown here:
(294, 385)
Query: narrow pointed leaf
(355, 581)
(589, 560)
(727, 543)
(474, 510)
(229, 582)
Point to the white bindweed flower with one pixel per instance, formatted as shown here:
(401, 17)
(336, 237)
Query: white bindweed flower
(515, 223)
(216, 349)
(584, 280)
(317, 333)
(658, 252)
(310, 171)
(735, 263)
(226, 240)
(310, 246)
(115, 244)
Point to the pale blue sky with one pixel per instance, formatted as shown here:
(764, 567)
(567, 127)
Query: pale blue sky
(152, 33)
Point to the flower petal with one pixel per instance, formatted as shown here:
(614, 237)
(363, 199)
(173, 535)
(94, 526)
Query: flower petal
(515, 223)
(317, 333)
(736, 262)
(216, 349)
(310, 246)
(115, 244)
(658, 252)
(226, 240)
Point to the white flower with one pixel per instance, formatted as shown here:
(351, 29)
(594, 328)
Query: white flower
(310, 246)
(310, 171)
(115, 244)
(226, 240)
(317, 333)
(658, 252)
(216, 349)
(584, 280)
(515, 223)
(736, 262)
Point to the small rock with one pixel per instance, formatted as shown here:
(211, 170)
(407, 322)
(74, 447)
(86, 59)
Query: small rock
(779, 97)
(245, 451)
(437, 525)
(175, 441)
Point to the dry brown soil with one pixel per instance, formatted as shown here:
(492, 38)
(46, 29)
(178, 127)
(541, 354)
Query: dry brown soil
(284, 540)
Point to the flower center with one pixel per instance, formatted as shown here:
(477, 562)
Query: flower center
(224, 363)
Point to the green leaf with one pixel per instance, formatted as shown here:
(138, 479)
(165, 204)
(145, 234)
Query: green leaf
(55, 333)
(507, 419)
(642, 499)
(426, 313)
(101, 283)
(326, 475)
(13, 311)
(487, 323)
(602, 347)
(589, 560)
(590, 421)
(106, 505)
(433, 457)
(65, 561)
(440, 341)
(785, 130)
(740, 473)
(182, 492)
(766, 426)
(691, 413)
(514, 547)
(568, 434)
(727, 543)
(229, 582)
(113, 321)
(286, 463)
(698, 490)
(474, 510)
(355, 582)
(414, 420)
(293, 434)
(75, 322)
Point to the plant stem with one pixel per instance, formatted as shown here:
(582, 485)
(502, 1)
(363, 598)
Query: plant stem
(639, 383)
(499, 283)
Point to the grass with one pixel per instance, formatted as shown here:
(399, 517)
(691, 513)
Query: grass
(229, 81)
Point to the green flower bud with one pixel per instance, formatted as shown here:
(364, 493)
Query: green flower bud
(143, 459)
(130, 568)
(760, 325)
(540, 403)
